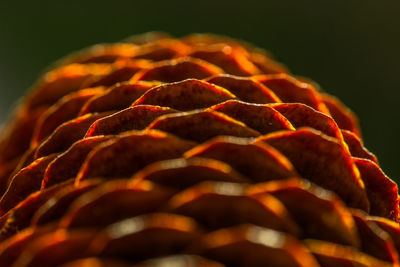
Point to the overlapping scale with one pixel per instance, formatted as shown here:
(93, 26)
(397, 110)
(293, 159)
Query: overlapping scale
(200, 151)
(67, 108)
(258, 161)
(25, 182)
(200, 126)
(249, 245)
(291, 90)
(182, 173)
(246, 89)
(261, 118)
(187, 95)
(116, 201)
(67, 134)
(177, 70)
(67, 165)
(130, 152)
(320, 213)
(324, 161)
(116, 97)
(220, 205)
(133, 118)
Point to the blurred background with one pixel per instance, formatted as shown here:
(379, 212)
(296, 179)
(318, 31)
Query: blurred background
(350, 47)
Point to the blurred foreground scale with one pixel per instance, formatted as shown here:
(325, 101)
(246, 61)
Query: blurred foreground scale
(200, 151)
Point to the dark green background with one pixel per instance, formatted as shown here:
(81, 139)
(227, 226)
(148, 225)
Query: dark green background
(350, 47)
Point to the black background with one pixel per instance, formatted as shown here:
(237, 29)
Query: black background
(350, 47)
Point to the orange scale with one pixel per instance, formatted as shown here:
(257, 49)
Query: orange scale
(13, 247)
(323, 160)
(56, 206)
(25, 182)
(161, 50)
(356, 146)
(246, 89)
(178, 70)
(67, 108)
(374, 241)
(382, 192)
(182, 173)
(261, 118)
(62, 81)
(15, 139)
(133, 118)
(67, 165)
(250, 245)
(266, 64)
(121, 71)
(102, 53)
(67, 133)
(117, 97)
(130, 152)
(229, 59)
(20, 216)
(301, 115)
(203, 40)
(390, 227)
(145, 237)
(185, 95)
(343, 116)
(291, 90)
(259, 162)
(219, 204)
(24, 161)
(200, 126)
(331, 255)
(7, 171)
(319, 212)
(56, 248)
(158, 53)
(113, 202)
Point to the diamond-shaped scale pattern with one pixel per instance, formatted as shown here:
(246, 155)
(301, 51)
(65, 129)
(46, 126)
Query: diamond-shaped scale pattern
(199, 151)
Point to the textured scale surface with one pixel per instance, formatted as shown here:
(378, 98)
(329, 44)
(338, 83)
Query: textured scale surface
(199, 151)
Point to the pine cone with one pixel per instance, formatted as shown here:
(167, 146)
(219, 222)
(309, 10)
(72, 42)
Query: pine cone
(200, 151)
